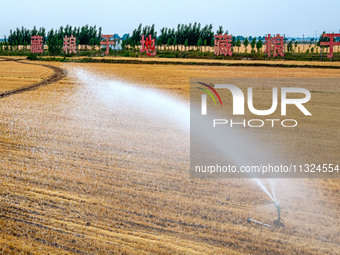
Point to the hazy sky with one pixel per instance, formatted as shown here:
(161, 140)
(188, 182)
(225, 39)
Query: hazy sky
(246, 17)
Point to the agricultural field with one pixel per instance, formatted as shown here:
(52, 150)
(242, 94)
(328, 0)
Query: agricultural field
(83, 170)
(220, 62)
(15, 75)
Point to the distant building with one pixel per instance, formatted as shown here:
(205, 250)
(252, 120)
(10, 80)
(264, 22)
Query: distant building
(117, 45)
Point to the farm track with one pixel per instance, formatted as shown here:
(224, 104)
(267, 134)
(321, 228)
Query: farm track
(58, 74)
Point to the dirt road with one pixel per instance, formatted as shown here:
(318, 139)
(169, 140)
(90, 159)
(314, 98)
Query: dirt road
(58, 74)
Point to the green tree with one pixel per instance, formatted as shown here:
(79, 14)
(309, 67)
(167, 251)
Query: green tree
(199, 43)
(212, 42)
(323, 39)
(132, 44)
(259, 45)
(233, 41)
(238, 44)
(92, 43)
(55, 45)
(168, 43)
(246, 43)
(219, 30)
(290, 46)
(158, 41)
(253, 44)
(186, 43)
(174, 43)
(99, 38)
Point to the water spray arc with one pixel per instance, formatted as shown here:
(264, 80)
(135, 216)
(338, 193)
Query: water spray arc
(277, 222)
(150, 102)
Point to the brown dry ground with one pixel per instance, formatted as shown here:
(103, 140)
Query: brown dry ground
(219, 61)
(16, 75)
(177, 77)
(75, 179)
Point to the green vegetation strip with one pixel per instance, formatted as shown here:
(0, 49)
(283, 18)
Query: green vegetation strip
(160, 62)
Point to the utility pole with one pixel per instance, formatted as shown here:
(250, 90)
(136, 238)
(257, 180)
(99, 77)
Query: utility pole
(284, 46)
(303, 42)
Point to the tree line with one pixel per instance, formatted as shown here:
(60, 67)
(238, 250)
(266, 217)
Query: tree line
(185, 34)
(88, 35)
(189, 35)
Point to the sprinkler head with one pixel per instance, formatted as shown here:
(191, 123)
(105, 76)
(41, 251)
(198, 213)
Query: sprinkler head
(278, 222)
(277, 206)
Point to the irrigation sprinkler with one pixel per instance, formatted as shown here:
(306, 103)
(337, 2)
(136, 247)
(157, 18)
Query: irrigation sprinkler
(277, 223)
